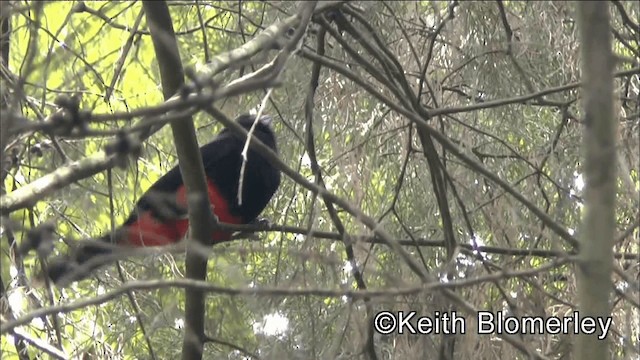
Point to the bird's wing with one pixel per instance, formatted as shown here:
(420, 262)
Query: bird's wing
(160, 198)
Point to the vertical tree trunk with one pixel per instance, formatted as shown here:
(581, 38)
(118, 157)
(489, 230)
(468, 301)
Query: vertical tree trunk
(596, 235)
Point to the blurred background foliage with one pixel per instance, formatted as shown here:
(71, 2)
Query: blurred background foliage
(368, 154)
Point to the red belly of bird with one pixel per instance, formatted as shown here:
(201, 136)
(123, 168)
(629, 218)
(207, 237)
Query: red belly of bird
(149, 231)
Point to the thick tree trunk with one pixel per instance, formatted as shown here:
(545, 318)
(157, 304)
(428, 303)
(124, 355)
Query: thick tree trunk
(596, 236)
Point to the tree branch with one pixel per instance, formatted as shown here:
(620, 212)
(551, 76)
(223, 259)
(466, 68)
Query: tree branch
(192, 170)
(595, 262)
(37, 190)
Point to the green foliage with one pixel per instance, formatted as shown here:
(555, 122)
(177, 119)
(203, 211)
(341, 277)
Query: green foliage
(369, 155)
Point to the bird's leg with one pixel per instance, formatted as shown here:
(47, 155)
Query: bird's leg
(262, 222)
(252, 235)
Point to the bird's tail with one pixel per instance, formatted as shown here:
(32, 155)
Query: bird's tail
(87, 256)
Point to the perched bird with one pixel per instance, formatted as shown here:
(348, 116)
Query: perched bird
(160, 215)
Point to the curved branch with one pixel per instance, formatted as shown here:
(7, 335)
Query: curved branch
(449, 145)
